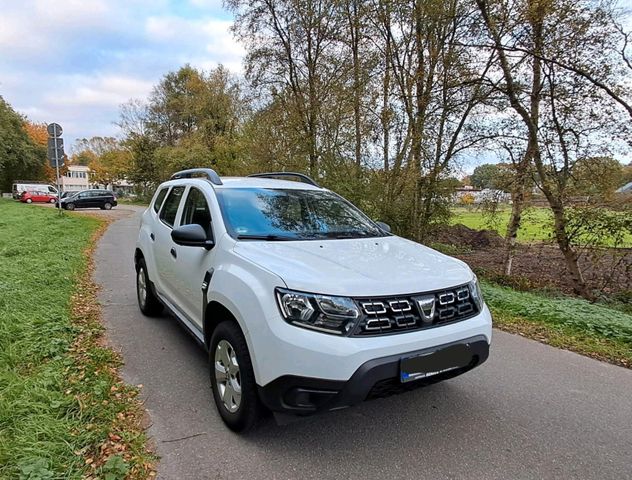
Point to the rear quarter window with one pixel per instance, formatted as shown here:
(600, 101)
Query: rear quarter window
(160, 198)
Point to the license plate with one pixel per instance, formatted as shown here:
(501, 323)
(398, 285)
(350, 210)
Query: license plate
(434, 363)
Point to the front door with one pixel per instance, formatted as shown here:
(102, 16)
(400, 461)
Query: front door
(192, 263)
(82, 200)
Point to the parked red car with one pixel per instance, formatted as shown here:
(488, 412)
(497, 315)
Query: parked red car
(31, 196)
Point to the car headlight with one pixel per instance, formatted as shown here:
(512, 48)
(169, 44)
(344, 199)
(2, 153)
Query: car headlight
(325, 313)
(476, 294)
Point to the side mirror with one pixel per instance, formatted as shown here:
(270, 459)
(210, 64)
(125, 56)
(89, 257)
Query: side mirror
(384, 226)
(192, 236)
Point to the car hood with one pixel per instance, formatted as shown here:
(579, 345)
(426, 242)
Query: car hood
(357, 267)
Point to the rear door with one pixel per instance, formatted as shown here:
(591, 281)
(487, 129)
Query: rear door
(95, 199)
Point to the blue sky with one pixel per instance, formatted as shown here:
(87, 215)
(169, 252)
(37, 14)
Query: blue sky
(75, 61)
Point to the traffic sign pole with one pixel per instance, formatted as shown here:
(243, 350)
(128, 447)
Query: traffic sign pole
(58, 181)
(54, 132)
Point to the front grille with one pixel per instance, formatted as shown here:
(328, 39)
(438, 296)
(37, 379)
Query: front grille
(398, 314)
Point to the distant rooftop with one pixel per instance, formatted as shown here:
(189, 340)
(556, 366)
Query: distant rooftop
(627, 188)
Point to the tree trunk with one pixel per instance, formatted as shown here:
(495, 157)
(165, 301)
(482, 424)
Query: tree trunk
(571, 257)
(357, 89)
(386, 87)
(517, 207)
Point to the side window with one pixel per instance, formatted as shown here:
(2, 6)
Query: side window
(170, 208)
(196, 210)
(160, 198)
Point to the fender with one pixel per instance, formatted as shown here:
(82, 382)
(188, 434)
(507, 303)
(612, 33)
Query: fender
(239, 291)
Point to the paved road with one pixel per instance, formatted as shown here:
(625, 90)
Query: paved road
(531, 411)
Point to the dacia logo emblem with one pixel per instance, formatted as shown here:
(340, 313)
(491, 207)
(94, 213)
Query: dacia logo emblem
(426, 308)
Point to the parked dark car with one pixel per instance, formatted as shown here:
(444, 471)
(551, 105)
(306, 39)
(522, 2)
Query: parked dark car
(103, 199)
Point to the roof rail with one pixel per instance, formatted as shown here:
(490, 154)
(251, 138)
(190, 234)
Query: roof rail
(210, 174)
(302, 177)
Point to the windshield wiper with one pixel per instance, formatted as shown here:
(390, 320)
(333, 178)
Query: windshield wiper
(269, 237)
(355, 234)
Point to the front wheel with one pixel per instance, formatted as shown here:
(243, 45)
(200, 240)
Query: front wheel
(28, 200)
(232, 378)
(70, 206)
(52, 200)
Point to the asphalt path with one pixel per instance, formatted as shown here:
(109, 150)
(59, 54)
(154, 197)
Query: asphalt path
(530, 412)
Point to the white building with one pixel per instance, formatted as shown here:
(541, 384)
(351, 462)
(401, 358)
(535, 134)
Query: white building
(77, 178)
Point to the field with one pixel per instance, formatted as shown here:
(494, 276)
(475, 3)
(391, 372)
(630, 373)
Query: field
(540, 304)
(537, 224)
(62, 407)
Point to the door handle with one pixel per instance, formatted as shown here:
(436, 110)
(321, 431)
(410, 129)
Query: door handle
(152, 236)
(174, 254)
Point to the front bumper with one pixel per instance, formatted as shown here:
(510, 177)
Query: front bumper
(375, 378)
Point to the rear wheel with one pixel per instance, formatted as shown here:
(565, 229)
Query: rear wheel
(147, 300)
(107, 206)
(232, 378)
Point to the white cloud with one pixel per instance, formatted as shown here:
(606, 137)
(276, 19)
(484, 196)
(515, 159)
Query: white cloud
(40, 26)
(76, 61)
(212, 36)
(105, 91)
(207, 4)
(72, 13)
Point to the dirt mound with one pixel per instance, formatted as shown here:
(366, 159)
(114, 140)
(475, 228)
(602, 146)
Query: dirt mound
(464, 236)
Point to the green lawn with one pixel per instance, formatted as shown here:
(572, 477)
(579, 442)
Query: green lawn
(576, 324)
(537, 223)
(57, 384)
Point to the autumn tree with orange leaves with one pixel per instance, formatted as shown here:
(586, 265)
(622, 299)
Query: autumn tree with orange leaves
(38, 133)
(21, 156)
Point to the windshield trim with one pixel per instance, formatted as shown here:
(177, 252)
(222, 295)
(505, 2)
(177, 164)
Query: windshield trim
(281, 238)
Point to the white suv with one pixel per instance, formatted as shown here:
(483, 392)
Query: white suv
(303, 303)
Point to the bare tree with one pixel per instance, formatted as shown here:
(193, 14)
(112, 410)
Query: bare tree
(535, 39)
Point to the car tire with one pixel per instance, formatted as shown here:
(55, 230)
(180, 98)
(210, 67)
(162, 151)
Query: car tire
(107, 206)
(148, 303)
(234, 388)
(52, 200)
(70, 206)
(28, 200)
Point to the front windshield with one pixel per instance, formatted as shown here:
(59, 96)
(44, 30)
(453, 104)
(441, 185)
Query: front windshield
(288, 214)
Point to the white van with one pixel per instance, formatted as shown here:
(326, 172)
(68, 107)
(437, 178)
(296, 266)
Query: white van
(25, 186)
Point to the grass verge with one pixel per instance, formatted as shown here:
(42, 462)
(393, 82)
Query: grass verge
(64, 413)
(564, 322)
